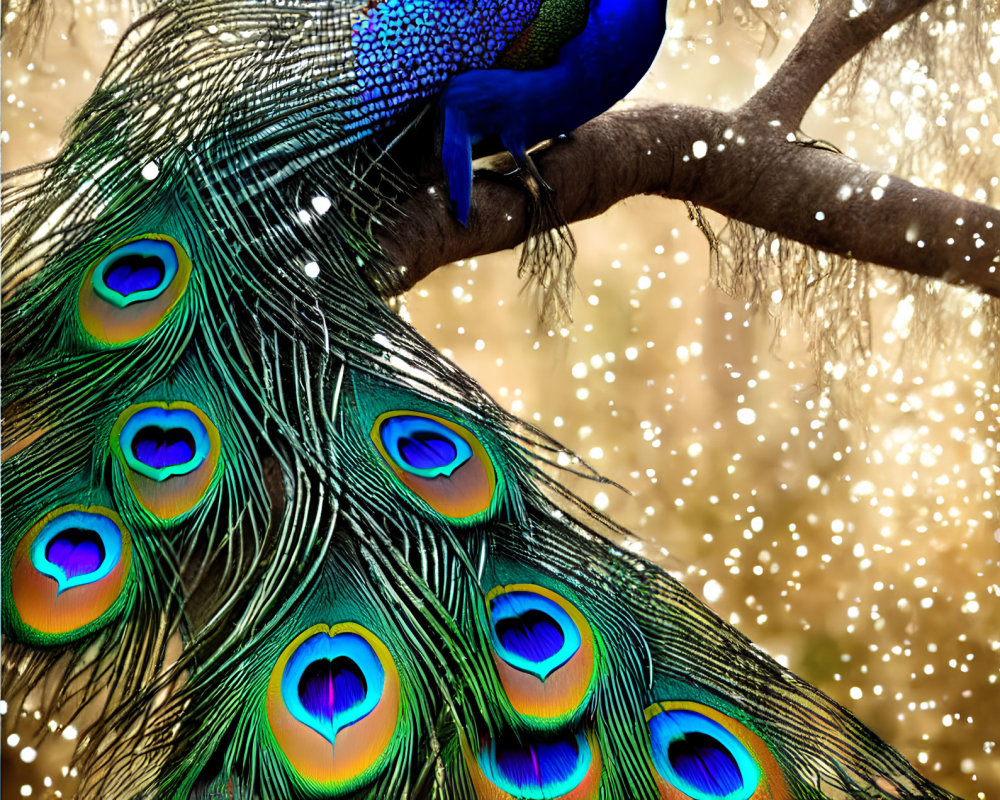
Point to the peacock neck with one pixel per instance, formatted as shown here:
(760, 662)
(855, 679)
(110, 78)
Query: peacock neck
(620, 40)
(599, 66)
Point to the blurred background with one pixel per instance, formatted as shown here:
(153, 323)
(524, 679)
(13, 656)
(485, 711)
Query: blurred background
(821, 465)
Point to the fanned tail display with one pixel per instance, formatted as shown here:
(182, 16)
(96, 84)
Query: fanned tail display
(289, 548)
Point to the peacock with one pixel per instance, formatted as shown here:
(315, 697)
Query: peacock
(286, 546)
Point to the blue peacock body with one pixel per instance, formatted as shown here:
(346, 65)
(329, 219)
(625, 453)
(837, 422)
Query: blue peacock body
(217, 433)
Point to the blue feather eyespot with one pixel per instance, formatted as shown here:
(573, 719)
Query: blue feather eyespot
(439, 461)
(550, 767)
(160, 442)
(133, 272)
(333, 705)
(77, 548)
(169, 453)
(532, 633)
(700, 753)
(332, 682)
(129, 290)
(423, 446)
(69, 573)
(543, 649)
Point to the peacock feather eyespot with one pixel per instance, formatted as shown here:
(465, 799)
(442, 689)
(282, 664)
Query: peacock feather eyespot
(159, 443)
(532, 632)
(566, 766)
(543, 649)
(169, 453)
(69, 573)
(130, 289)
(439, 461)
(136, 271)
(423, 446)
(333, 704)
(698, 752)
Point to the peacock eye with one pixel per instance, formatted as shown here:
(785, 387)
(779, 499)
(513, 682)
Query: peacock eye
(543, 649)
(328, 682)
(75, 555)
(69, 570)
(130, 290)
(439, 461)
(169, 453)
(330, 687)
(532, 633)
(423, 446)
(159, 442)
(331, 682)
(134, 272)
(535, 769)
(698, 755)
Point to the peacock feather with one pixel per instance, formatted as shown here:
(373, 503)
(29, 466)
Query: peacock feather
(217, 433)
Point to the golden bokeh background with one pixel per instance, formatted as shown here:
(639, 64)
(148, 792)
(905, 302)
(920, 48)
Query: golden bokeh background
(827, 481)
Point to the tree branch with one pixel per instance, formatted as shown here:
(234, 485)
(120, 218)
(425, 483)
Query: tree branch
(840, 30)
(746, 171)
(744, 164)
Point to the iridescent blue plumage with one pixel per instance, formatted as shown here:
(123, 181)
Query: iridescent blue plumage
(537, 770)
(409, 50)
(423, 446)
(136, 271)
(406, 50)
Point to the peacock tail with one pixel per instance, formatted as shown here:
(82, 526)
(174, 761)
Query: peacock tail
(217, 433)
